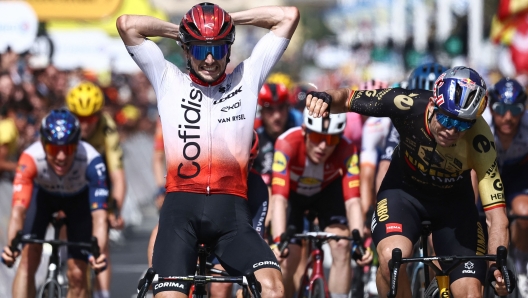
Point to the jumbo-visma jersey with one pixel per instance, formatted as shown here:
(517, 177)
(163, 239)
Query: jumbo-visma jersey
(207, 130)
(422, 165)
(294, 171)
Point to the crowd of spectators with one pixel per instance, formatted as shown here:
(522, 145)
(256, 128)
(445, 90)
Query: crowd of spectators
(27, 94)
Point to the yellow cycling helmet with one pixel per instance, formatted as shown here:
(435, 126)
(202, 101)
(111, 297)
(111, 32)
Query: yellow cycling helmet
(85, 99)
(280, 78)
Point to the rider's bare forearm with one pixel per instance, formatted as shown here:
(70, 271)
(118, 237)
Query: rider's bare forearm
(355, 216)
(497, 229)
(134, 28)
(367, 177)
(100, 226)
(16, 222)
(279, 19)
(278, 220)
(117, 177)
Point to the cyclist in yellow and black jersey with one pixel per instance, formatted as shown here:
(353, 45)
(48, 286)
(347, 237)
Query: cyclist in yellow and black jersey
(443, 137)
(86, 101)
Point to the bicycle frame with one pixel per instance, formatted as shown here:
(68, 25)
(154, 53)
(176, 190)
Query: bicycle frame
(54, 262)
(198, 282)
(315, 264)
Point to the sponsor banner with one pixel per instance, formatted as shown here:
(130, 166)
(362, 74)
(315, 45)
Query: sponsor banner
(74, 9)
(18, 26)
(81, 48)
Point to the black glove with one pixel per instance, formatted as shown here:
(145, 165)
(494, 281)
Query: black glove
(322, 95)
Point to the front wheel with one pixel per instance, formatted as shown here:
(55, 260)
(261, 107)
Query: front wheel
(318, 289)
(432, 290)
(50, 289)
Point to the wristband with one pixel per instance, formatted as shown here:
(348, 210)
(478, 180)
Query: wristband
(277, 239)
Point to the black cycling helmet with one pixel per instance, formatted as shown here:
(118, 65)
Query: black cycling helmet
(424, 76)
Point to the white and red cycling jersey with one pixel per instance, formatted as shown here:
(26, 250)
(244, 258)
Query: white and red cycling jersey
(208, 129)
(294, 171)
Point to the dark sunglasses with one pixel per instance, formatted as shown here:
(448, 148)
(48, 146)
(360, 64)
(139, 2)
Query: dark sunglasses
(200, 52)
(450, 123)
(501, 108)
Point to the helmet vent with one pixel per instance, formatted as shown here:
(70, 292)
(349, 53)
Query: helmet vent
(458, 94)
(471, 98)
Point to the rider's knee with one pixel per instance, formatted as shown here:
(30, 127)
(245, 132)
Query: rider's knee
(77, 277)
(272, 287)
(220, 290)
(30, 259)
(519, 206)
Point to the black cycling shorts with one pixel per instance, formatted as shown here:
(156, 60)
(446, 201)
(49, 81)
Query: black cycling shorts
(219, 221)
(258, 197)
(78, 218)
(328, 206)
(456, 228)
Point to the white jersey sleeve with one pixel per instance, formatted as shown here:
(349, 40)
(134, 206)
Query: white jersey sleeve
(265, 54)
(149, 58)
(375, 131)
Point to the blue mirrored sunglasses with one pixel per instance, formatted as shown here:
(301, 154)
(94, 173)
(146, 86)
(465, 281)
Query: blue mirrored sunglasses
(200, 52)
(450, 123)
(501, 108)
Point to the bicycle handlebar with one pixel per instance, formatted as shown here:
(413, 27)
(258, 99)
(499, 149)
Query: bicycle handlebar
(321, 236)
(93, 246)
(285, 240)
(151, 276)
(397, 261)
(502, 256)
(357, 239)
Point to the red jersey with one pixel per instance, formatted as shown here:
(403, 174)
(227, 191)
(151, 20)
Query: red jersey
(293, 170)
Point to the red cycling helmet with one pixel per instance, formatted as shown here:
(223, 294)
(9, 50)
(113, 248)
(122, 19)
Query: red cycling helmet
(254, 147)
(207, 22)
(271, 94)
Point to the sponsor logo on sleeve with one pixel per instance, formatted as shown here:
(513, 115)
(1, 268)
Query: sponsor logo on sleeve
(279, 162)
(278, 181)
(404, 102)
(352, 165)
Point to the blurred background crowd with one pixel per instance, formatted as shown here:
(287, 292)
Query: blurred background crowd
(339, 43)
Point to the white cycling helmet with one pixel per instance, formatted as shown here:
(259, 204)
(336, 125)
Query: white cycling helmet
(335, 126)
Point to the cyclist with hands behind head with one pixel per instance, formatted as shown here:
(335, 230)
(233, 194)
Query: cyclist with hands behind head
(443, 137)
(315, 168)
(58, 173)
(207, 149)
